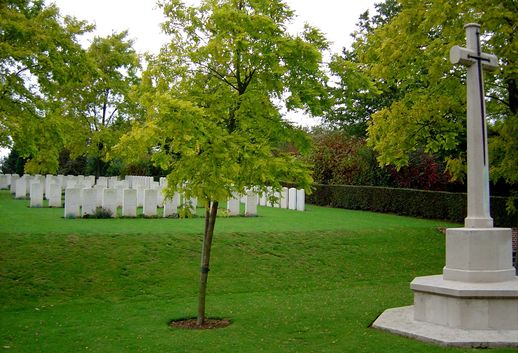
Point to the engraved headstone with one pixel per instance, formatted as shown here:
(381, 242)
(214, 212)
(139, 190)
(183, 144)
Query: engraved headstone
(110, 202)
(129, 203)
(150, 202)
(36, 194)
(89, 205)
(72, 203)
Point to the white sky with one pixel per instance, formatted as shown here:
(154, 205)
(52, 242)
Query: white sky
(336, 18)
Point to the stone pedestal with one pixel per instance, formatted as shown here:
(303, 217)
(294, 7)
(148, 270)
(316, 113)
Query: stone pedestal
(479, 255)
(474, 303)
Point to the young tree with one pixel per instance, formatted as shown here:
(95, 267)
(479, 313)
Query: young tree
(213, 99)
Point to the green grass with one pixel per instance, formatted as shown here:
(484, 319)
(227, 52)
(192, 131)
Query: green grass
(289, 281)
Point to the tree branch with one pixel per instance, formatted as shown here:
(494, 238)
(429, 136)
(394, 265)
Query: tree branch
(498, 99)
(221, 77)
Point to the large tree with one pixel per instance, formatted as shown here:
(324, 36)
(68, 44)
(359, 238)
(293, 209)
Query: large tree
(356, 95)
(102, 108)
(406, 59)
(213, 99)
(38, 49)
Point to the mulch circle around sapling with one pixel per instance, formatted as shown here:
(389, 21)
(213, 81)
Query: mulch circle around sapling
(190, 324)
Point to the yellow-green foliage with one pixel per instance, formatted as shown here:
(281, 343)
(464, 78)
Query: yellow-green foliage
(212, 120)
(407, 58)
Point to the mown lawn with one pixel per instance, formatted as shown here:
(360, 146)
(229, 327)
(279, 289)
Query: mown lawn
(289, 281)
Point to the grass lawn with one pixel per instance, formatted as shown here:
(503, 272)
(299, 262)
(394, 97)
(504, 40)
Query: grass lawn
(290, 281)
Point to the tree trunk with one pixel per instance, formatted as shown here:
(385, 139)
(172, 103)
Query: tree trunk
(512, 89)
(211, 212)
(98, 160)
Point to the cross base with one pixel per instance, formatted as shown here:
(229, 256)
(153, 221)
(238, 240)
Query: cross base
(401, 321)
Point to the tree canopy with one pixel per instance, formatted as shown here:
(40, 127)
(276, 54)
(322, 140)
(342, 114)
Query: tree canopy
(56, 95)
(213, 97)
(38, 53)
(419, 99)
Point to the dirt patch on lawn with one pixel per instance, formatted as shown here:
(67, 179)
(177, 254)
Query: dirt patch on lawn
(208, 324)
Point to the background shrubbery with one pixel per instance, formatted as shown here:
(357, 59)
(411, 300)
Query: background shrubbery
(418, 203)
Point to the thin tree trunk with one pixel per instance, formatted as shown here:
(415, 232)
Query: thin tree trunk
(211, 212)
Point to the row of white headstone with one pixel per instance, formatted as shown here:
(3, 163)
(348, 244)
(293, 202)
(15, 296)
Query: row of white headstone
(20, 186)
(288, 198)
(86, 202)
(84, 195)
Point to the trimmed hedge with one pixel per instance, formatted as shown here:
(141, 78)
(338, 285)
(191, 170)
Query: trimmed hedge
(409, 202)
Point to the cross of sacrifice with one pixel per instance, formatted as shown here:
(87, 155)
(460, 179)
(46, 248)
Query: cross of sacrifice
(478, 170)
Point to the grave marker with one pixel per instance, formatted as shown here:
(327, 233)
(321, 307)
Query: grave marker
(251, 204)
(129, 203)
(171, 205)
(150, 202)
(21, 188)
(234, 205)
(89, 205)
(36, 194)
(54, 195)
(72, 203)
(301, 200)
(292, 198)
(110, 201)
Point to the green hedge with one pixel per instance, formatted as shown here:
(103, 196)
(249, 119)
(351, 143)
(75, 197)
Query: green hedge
(417, 203)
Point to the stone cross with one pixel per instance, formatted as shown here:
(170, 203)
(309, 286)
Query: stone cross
(478, 170)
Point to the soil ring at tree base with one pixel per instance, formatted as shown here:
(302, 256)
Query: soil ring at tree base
(208, 324)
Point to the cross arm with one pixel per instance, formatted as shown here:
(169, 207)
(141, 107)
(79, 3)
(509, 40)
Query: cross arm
(467, 57)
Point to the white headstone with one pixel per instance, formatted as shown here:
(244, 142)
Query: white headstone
(89, 205)
(112, 181)
(194, 204)
(251, 204)
(284, 198)
(150, 202)
(54, 195)
(99, 189)
(233, 205)
(61, 181)
(4, 181)
(36, 194)
(292, 198)
(301, 200)
(14, 179)
(110, 201)
(262, 199)
(90, 181)
(140, 196)
(72, 203)
(277, 202)
(120, 196)
(70, 182)
(49, 179)
(129, 203)
(21, 188)
(102, 182)
(163, 181)
(171, 205)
